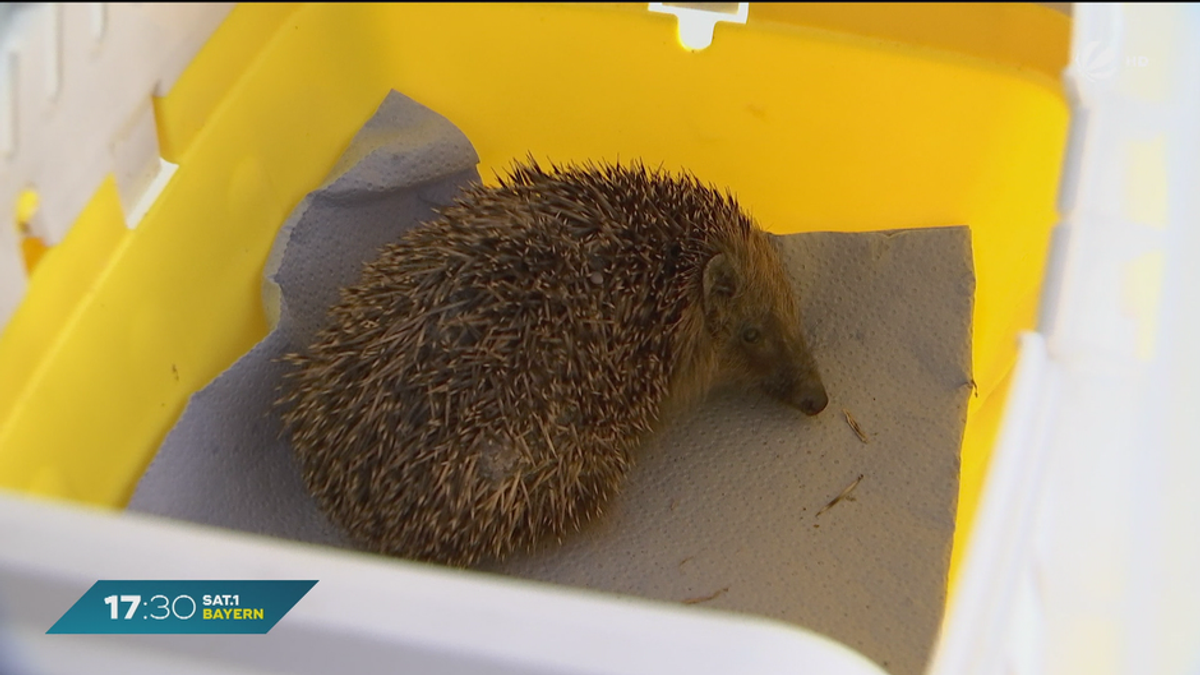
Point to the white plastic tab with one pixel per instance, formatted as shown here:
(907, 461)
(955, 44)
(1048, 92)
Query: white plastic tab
(76, 82)
(137, 164)
(698, 20)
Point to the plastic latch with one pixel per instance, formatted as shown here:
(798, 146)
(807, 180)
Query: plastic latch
(697, 20)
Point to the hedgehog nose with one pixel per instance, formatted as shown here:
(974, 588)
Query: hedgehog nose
(810, 396)
(805, 393)
(813, 402)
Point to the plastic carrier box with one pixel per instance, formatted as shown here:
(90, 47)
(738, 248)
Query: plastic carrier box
(149, 153)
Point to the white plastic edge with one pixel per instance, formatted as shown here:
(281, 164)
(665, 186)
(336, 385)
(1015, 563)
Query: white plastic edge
(974, 631)
(367, 613)
(1084, 555)
(76, 82)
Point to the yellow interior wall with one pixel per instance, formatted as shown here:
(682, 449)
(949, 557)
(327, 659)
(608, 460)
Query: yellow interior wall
(819, 117)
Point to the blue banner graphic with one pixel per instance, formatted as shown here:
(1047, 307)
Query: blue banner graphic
(140, 607)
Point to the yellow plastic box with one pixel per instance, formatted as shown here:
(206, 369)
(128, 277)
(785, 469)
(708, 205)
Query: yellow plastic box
(821, 117)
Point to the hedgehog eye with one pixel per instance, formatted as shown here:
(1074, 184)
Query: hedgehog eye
(751, 335)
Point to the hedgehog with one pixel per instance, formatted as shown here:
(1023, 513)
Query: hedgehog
(485, 385)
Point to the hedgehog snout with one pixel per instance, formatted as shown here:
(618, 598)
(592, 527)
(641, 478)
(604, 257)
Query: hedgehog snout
(811, 399)
(805, 393)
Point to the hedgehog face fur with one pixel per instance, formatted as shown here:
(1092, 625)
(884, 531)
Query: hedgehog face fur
(483, 387)
(754, 323)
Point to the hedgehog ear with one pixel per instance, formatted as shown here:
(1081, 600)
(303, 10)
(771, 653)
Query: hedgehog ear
(720, 279)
